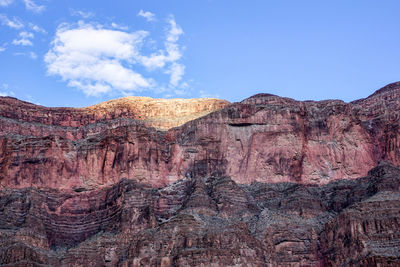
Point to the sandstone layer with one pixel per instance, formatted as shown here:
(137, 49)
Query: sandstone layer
(264, 138)
(162, 114)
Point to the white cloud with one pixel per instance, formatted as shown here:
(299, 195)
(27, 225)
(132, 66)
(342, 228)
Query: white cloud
(205, 94)
(32, 6)
(14, 23)
(172, 53)
(36, 28)
(24, 39)
(29, 4)
(2, 49)
(174, 32)
(31, 55)
(119, 27)
(29, 98)
(83, 14)
(147, 15)
(96, 60)
(23, 42)
(176, 72)
(26, 35)
(5, 90)
(6, 2)
(100, 60)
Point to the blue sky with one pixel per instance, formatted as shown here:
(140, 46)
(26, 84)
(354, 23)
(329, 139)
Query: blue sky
(77, 53)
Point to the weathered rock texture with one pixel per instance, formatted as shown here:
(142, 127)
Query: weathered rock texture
(159, 113)
(264, 138)
(269, 181)
(206, 221)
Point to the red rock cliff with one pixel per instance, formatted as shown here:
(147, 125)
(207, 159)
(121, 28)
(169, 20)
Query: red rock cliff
(65, 201)
(264, 138)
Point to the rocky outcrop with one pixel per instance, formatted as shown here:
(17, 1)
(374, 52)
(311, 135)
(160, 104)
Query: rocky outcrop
(206, 221)
(264, 138)
(162, 114)
(367, 233)
(82, 142)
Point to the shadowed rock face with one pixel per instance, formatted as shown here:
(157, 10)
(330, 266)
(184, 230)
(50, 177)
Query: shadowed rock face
(206, 221)
(264, 138)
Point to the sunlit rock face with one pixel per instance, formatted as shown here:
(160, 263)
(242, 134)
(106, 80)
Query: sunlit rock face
(264, 138)
(162, 114)
(268, 181)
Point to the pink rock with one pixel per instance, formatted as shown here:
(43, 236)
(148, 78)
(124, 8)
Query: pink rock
(264, 138)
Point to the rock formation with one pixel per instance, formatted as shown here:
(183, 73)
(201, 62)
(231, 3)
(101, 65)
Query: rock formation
(264, 138)
(206, 221)
(269, 181)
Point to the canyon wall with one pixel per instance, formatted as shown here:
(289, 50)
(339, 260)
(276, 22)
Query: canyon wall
(136, 181)
(209, 221)
(264, 138)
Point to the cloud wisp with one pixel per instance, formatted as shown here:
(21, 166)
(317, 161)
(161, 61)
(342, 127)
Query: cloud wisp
(5, 90)
(36, 28)
(98, 60)
(6, 2)
(29, 5)
(82, 14)
(32, 6)
(14, 23)
(147, 15)
(31, 55)
(171, 54)
(24, 40)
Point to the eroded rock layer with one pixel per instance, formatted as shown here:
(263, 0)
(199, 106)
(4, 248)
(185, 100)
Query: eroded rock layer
(206, 221)
(269, 181)
(264, 138)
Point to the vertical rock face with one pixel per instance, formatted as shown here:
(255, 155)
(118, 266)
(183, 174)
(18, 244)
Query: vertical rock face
(264, 138)
(269, 181)
(93, 146)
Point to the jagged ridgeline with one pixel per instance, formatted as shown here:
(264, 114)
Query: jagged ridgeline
(268, 181)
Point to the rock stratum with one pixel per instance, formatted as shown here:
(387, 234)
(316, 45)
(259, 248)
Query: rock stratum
(264, 138)
(268, 181)
(206, 221)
